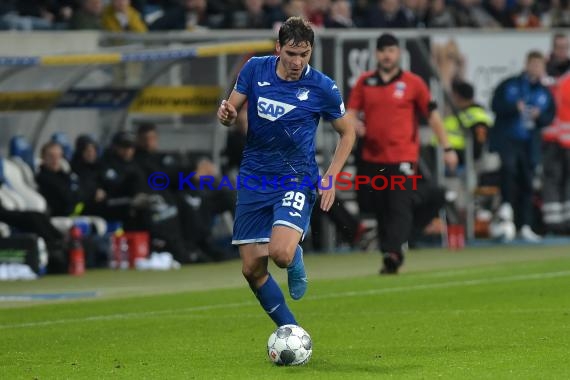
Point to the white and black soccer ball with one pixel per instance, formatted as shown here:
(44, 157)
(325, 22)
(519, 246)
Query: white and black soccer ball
(290, 345)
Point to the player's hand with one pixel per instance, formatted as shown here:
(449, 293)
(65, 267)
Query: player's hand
(327, 192)
(227, 113)
(451, 160)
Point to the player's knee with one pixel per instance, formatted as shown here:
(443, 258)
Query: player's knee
(253, 273)
(281, 255)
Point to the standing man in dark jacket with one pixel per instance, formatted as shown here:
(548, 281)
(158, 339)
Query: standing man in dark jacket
(522, 106)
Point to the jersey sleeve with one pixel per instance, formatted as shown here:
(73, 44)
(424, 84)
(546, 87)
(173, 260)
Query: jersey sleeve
(356, 98)
(334, 106)
(243, 83)
(423, 97)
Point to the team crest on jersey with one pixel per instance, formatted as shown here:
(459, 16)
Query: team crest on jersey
(400, 89)
(271, 109)
(302, 94)
(371, 81)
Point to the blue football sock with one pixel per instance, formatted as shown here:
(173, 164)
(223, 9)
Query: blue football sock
(273, 302)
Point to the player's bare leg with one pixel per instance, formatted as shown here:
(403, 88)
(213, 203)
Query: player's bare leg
(285, 251)
(255, 258)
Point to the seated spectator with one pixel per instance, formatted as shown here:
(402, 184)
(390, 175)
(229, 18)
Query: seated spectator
(12, 19)
(470, 14)
(274, 11)
(120, 16)
(121, 179)
(340, 15)
(387, 14)
(439, 16)
(559, 13)
(9, 18)
(317, 11)
(498, 10)
(251, 17)
(416, 11)
(59, 188)
(88, 16)
(525, 15)
(360, 9)
(85, 163)
(293, 8)
(46, 14)
(199, 207)
(190, 15)
(181, 218)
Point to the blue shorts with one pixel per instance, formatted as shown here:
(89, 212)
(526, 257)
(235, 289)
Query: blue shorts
(257, 213)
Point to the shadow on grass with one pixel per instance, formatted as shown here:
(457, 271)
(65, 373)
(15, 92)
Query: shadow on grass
(320, 368)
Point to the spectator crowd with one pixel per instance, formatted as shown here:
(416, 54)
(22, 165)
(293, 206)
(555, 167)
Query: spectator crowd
(110, 184)
(154, 15)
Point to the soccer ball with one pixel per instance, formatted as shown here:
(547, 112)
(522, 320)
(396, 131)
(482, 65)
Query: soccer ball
(289, 345)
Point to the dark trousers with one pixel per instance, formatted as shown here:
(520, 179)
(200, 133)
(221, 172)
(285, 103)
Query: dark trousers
(39, 224)
(517, 171)
(346, 224)
(392, 207)
(33, 222)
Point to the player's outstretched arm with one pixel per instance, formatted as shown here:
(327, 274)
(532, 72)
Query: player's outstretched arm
(347, 133)
(228, 110)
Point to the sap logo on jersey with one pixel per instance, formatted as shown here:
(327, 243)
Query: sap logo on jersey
(271, 109)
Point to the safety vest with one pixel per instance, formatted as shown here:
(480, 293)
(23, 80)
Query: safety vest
(471, 116)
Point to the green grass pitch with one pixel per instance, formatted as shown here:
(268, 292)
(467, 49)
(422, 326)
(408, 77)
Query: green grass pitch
(491, 313)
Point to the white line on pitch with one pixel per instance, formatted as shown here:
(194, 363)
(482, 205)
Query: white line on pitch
(442, 285)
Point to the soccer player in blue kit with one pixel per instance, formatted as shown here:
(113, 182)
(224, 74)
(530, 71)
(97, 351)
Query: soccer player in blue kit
(286, 98)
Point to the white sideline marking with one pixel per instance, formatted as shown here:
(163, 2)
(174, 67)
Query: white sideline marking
(442, 285)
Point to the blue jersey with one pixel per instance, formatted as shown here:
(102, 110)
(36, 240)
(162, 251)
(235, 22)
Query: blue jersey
(282, 119)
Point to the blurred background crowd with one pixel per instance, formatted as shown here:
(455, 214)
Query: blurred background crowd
(154, 15)
(102, 183)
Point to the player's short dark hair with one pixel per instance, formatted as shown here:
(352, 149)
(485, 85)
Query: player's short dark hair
(296, 31)
(145, 128)
(534, 54)
(385, 40)
(463, 89)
